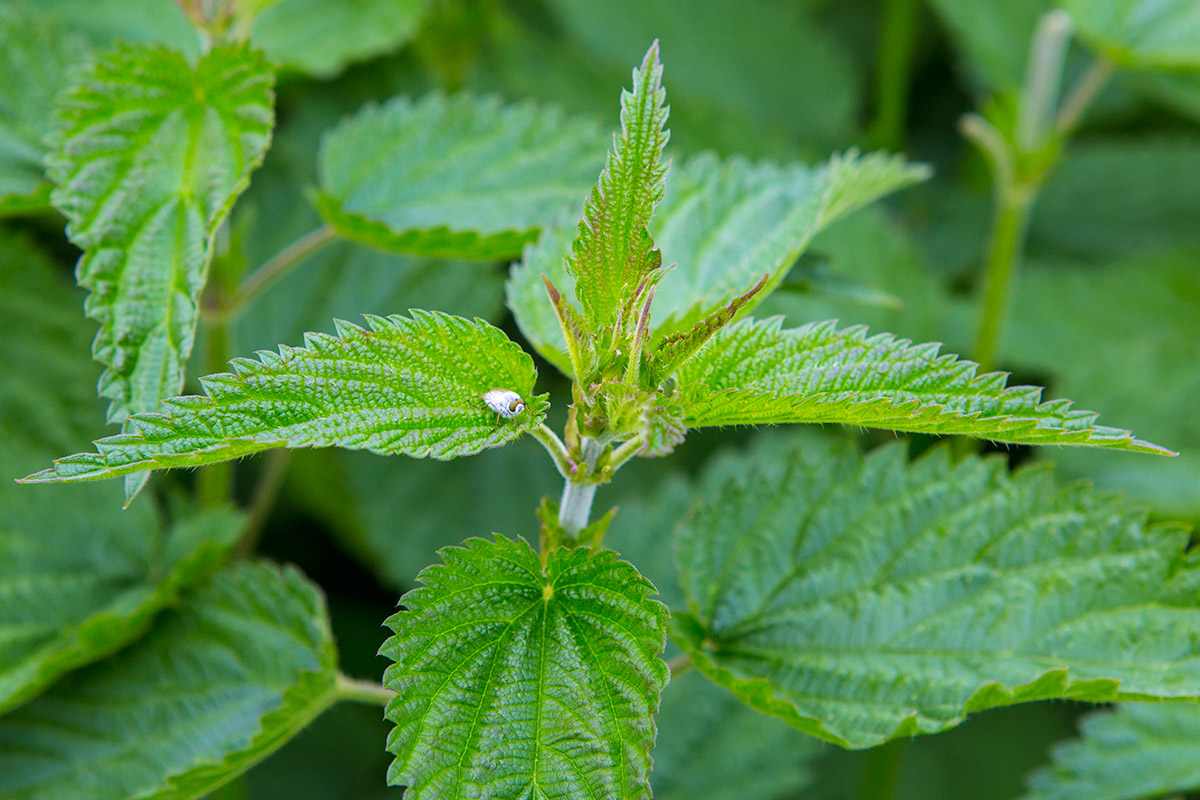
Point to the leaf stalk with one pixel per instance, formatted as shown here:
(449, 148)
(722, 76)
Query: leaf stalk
(360, 691)
(278, 265)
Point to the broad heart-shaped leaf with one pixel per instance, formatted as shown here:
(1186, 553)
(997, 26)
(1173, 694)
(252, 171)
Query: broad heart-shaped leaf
(1134, 751)
(724, 224)
(217, 685)
(79, 578)
(757, 373)
(457, 177)
(866, 599)
(35, 52)
(1163, 34)
(149, 154)
(522, 679)
(408, 385)
(321, 37)
(613, 250)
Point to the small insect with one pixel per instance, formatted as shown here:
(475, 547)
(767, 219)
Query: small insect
(504, 402)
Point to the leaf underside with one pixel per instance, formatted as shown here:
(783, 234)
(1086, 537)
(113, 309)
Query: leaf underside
(516, 679)
(867, 599)
(758, 373)
(237, 670)
(149, 155)
(457, 177)
(410, 386)
(1135, 751)
(723, 223)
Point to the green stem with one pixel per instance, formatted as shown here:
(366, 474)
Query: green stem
(898, 29)
(1080, 99)
(214, 483)
(1043, 79)
(356, 691)
(269, 483)
(1009, 228)
(881, 772)
(578, 492)
(679, 665)
(279, 264)
(555, 447)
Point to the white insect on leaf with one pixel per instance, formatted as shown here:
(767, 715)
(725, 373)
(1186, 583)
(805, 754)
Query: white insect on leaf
(504, 402)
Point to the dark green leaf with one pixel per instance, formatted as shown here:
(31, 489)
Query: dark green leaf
(523, 679)
(867, 599)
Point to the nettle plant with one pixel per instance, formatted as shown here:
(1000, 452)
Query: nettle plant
(858, 598)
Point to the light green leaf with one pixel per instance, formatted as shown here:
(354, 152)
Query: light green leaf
(35, 52)
(613, 251)
(219, 684)
(523, 679)
(866, 599)
(1130, 324)
(756, 373)
(1162, 34)
(321, 37)
(458, 177)
(148, 157)
(724, 224)
(1136, 751)
(105, 22)
(408, 385)
(79, 578)
(711, 746)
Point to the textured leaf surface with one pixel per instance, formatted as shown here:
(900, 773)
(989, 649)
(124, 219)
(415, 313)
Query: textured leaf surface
(321, 37)
(1142, 33)
(613, 250)
(758, 373)
(409, 385)
(35, 52)
(518, 679)
(1136, 751)
(149, 155)
(461, 177)
(79, 578)
(710, 745)
(866, 599)
(724, 224)
(217, 685)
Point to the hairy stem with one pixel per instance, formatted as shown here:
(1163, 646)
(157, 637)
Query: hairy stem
(1009, 227)
(555, 447)
(263, 501)
(898, 29)
(357, 691)
(576, 504)
(279, 264)
(881, 772)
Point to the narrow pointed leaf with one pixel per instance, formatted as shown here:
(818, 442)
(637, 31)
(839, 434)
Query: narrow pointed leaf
(613, 250)
(758, 373)
(409, 385)
(677, 348)
(518, 679)
(866, 599)
(724, 223)
(149, 155)
(457, 177)
(1135, 751)
(236, 671)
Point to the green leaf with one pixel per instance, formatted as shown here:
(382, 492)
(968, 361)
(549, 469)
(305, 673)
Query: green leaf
(867, 599)
(518, 678)
(1141, 313)
(79, 578)
(35, 52)
(724, 223)
(994, 37)
(458, 177)
(712, 746)
(613, 250)
(1158, 34)
(321, 37)
(408, 385)
(148, 157)
(219, 684)
(756, 373)
(1137, 750)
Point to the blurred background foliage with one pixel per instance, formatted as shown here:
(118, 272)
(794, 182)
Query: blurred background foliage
(1107, 308)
